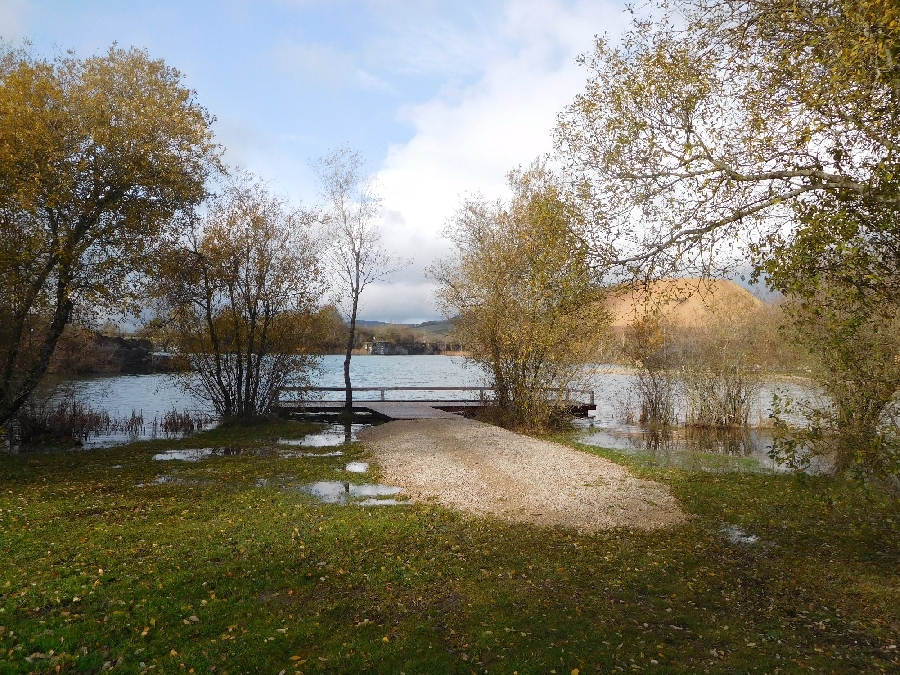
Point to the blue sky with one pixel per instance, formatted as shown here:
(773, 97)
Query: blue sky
(442, 98)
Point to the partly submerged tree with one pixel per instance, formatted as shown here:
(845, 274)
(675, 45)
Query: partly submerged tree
(355, 256)
(523, 296)
(723, 131)
(239, 295)
(714, 121)
(838, 310)
(96, 156)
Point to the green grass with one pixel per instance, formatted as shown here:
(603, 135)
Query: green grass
(215, 574)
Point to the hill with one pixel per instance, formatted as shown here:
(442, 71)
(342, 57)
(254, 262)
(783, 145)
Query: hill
(687, 302)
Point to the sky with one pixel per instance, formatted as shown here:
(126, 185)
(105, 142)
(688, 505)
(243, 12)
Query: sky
(441, 98)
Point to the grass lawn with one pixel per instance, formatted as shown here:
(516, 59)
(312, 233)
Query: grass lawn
(230, 568)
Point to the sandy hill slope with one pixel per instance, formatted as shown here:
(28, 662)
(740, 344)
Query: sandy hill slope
(687, 302)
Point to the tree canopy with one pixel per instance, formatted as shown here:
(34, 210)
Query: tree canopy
(96, 156)
(239, 296)
(715, 121)
(522, 295)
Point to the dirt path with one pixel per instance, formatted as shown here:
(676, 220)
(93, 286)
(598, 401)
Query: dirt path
(483, 469)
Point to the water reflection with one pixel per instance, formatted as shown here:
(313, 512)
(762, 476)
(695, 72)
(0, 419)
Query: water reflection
(331, 436)
(315, 455)
(343, 492)
(738, 536)
(197, 454)
(696, 449)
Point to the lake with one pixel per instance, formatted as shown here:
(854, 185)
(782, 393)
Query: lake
(155, 395)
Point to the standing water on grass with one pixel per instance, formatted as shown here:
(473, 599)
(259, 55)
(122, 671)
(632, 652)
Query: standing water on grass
(331, 436)
(613, 425)
(155, 396)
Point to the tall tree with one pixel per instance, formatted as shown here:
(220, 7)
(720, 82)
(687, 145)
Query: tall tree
(239, 297)
(355, 255)
(522, 296)
(840, 277)
(723, 131)
(714, 121)
(96, 156)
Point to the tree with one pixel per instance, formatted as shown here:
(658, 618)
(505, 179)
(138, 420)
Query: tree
(239, 298)
(96, 156)
(355, 257)
(837, 311)
(522, 295)
(716, 121)
(769, 128)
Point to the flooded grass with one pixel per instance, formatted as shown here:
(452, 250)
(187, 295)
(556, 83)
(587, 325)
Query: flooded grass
(227, 565)
(332, 435)
(718, 450)
(342, 492)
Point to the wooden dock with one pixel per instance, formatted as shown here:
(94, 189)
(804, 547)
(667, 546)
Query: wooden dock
(408, 409)
(387, 410)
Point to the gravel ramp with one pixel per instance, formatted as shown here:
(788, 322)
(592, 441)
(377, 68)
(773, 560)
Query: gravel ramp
(482, 469)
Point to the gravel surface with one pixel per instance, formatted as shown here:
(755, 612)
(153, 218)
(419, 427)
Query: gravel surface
(483, 469)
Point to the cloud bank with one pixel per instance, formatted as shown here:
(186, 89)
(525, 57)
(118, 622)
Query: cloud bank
(467, 138)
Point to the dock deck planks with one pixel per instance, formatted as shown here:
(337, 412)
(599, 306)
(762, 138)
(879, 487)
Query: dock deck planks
(393, 410)
(409, 410)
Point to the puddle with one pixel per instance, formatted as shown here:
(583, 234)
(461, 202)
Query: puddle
(697, 450)
(340, 492)
(189, 455)
(117, 466)
(357, 467)
(330, 436)
(742, 450)
(196, 454)
(738, 536)
(292, 455)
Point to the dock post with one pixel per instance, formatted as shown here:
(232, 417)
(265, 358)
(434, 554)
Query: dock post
(382, 394)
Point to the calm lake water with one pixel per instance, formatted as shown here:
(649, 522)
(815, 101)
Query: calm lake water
(155, 395)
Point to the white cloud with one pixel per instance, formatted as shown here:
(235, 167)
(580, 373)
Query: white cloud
(466, 140)
(398, 302)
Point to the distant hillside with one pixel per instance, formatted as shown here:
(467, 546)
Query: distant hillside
(435, 328)
(429, 328)
(687, 302)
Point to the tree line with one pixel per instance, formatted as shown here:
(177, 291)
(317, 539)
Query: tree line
(114, 199)
(716, 137)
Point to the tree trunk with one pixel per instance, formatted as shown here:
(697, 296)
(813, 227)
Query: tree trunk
(348, 398)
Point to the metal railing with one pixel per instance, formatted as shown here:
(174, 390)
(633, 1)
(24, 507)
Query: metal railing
(481, 392)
